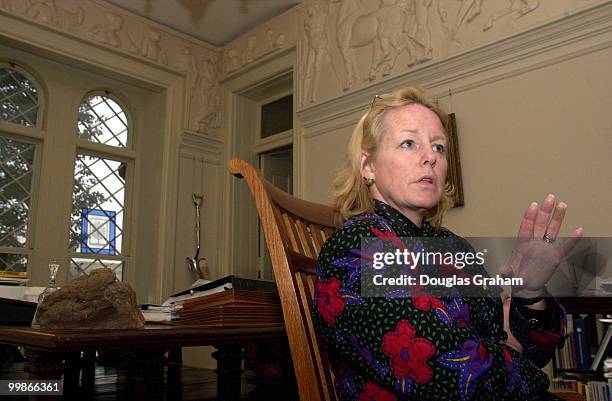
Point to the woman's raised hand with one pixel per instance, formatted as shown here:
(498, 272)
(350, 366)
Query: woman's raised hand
(535, 256)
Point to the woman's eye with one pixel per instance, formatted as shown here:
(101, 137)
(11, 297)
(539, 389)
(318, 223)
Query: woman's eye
(439, 148)
(408, 143)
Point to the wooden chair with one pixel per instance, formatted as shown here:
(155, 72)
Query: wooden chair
(295, 231)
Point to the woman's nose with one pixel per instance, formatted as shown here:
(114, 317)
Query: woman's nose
(430, 157)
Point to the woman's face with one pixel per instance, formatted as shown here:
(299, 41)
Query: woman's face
(409, 166)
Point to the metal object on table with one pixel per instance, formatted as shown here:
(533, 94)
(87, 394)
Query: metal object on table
(196, 264)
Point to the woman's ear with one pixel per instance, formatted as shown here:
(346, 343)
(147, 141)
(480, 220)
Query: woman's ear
(367, 165)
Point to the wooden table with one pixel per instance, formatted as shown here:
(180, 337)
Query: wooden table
(52, 353)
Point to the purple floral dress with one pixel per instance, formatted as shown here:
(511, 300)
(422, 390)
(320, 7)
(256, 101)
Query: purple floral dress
(424, 347)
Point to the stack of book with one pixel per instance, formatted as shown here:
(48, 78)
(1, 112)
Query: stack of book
(158, 313)
(587, 390)
(561, 383)
(597, 391)
(232, 308)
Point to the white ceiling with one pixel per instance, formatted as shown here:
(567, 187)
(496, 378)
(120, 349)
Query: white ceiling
(214, 21)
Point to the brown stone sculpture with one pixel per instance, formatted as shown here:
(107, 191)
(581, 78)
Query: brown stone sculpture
(94, 301)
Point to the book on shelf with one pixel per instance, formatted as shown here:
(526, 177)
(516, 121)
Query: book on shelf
(583, 355)
(586, 345)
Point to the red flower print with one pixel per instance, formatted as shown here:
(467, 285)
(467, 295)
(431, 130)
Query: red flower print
(373, 392)
(390, 235)
(546, 340)
(507, 355)
(329, 300)
(426, 302)
(408, 354)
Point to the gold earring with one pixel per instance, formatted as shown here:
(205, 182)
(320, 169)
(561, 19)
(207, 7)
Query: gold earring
(369, 181)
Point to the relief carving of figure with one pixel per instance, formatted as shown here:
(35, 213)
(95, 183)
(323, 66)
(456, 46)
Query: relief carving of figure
(419, 31)
(270, 37)
(317, 45)
(190, 67)
(232, 63)
(387, 30)
(70, 20)
(150, 46)
(108, 33)
(210, 93)
(519, 7)
(274, 43)
(468, 10)
(247, 55)
(44, 11)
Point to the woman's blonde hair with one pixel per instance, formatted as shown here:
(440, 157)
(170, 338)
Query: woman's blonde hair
(351, 194)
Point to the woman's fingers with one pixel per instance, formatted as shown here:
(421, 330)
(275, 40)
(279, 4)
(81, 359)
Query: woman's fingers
(570, 243)
(526, 228)
(543, 217)
(555, 223)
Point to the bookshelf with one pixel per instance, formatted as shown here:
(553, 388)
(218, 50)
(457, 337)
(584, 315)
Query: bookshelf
(571, 365)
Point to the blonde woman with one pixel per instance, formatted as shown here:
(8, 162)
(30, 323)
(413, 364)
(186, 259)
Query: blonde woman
(405, 344)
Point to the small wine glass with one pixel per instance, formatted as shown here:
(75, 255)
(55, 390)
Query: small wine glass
(50, 289)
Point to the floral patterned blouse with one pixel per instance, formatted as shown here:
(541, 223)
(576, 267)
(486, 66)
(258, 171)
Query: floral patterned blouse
(424, 347)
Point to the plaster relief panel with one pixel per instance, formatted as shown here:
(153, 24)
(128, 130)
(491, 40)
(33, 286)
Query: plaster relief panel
(108, 32)
(515, 8)
(203, 93)
(48, 12)
(210, 96)
(192, 72)
(149, 46)
(70, 20)
(275, 41)
(261, 42)
(248, 52)
(231, 62)
(315, 51)
(454, 20)
(373, 39)
(43, 11)
(124, 32)
(349, 44)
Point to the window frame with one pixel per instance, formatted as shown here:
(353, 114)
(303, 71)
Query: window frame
(41, 91)
(125, 155)
(34, 135)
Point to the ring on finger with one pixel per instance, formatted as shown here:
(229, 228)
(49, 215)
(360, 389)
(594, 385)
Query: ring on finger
(548, 239)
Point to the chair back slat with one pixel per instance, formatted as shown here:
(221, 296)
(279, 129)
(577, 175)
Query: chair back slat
(305, 282)
(317, 237)
(306, 238)
(295, 231)
(278, 216)
(292, 234)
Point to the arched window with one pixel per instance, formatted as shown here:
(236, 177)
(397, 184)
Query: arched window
(18, 98)
(99, 194)
(102, 120)
(19, 105)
